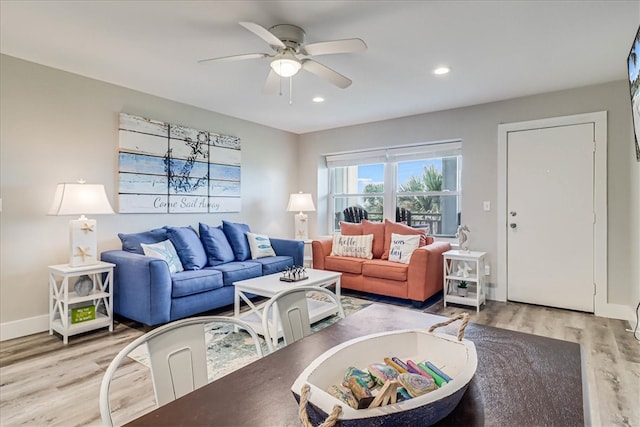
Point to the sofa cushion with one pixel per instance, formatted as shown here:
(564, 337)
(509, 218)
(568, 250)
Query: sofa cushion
(216, 245)
(236, 235)
(188, 246)
(350, 228)
(352, 246)
(238, 270)
(344, 264)
(385, 270)
(259, 245)
(165, 251)
(395, 227)
(131, 242)
(377, 229)
(402, 247)
(274, 264)
(191, 282)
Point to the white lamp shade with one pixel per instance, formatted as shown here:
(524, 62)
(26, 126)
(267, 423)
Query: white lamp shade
(301, 202)
(80, 199)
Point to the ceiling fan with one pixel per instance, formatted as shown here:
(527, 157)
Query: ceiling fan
(292, 54)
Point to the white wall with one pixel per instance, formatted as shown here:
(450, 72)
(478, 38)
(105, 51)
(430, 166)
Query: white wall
(634, 231)
(59, 127)
(477, 126)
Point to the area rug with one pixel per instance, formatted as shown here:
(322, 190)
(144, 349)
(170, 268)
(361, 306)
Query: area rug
(228, 351)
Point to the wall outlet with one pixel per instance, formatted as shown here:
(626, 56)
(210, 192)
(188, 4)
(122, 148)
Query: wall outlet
(486, 206)
(487, 270)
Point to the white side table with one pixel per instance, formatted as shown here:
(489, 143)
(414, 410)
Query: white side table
(308, 254)
(62, 298)
(468, 266)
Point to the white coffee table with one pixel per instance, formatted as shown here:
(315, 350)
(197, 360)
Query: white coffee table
(268, 286)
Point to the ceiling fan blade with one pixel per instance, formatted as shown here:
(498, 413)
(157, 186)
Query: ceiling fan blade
(326, 73)
(271, 85)
(236, 57)
(335, 46)
(264, 34)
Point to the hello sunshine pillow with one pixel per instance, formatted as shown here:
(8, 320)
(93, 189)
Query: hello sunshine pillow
(353, 246)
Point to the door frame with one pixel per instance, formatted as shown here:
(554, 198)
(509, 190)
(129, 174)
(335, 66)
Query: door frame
(599, 119)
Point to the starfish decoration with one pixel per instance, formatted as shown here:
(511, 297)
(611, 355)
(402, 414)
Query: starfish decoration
(87, 227)
(83, 252)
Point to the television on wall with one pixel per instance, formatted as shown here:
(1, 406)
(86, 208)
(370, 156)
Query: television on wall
(633, 62)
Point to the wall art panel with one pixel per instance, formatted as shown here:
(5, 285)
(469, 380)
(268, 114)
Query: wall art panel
(166, 168)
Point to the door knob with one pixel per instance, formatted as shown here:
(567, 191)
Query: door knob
(512, 213)
(512, 225)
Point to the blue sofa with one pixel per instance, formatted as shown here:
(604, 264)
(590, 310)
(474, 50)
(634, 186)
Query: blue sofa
(145, 289)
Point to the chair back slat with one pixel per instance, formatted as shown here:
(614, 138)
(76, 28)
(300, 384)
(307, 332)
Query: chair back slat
(178, 362)
(355, 214)
(403, 215)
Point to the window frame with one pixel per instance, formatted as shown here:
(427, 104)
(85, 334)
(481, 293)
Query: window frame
(390, 158)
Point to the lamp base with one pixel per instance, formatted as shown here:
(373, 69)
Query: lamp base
(83, 249)
(301, 226)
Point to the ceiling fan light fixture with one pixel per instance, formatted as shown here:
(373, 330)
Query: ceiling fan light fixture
(286, 65)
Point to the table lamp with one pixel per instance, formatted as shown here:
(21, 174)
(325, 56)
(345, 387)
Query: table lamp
(80, 199)
(301, 202)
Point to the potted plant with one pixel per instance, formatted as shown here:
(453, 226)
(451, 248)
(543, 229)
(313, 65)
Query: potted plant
(462, 288)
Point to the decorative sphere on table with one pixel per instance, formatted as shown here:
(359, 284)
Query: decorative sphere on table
(83, 286)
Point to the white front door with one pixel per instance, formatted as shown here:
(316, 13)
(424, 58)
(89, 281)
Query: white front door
(550, 216)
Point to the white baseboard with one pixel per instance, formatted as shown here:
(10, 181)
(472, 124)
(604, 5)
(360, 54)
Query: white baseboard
(617, 311)
(24, 327)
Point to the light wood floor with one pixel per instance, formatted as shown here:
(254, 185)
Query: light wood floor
(43, 382)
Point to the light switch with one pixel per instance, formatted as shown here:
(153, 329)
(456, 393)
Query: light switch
(486, 205)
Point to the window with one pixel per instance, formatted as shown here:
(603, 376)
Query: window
(419, 185)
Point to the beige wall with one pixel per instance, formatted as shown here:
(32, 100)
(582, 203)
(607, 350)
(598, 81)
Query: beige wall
(59, 127)
(477, 126)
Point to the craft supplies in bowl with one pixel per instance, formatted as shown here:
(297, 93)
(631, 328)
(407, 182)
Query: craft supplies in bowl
(398, 362)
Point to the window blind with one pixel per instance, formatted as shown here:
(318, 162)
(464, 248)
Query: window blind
(395, 154)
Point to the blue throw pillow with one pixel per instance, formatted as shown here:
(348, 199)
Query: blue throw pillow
(216, 245)
(236, 235)
(131, 242)
(188, 246)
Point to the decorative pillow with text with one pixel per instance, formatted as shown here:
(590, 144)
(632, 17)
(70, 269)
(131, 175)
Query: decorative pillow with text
(397, 228)
(402, 247)
(353, 246)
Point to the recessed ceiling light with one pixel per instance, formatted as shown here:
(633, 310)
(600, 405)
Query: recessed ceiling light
(318, 99)
(441, 70)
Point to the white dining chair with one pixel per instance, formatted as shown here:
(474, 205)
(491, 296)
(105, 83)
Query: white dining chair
(177, 356)
(293, 313)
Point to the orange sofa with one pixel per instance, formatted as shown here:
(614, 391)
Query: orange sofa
(418, 280)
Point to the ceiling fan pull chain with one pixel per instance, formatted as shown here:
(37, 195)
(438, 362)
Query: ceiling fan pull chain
(290, 90)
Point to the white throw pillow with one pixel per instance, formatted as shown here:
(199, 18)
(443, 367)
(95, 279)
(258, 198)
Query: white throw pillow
(260, 246)
(402, 247)
(166, 251)
(353, 246)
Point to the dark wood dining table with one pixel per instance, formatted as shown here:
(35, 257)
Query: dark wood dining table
(521, 379)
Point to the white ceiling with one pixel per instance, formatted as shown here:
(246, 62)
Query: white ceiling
(496, 49)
